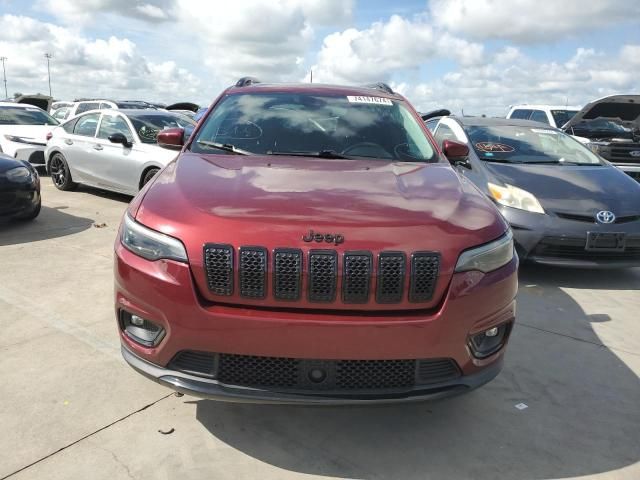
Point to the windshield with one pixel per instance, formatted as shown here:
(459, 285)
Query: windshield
(281, 123)
(148, 126)
(516, 144)
(601, 125)
(563, 116)
(25, 116)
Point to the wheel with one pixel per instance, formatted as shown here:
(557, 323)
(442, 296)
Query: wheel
(32, 214)
(149, 175)
(60, 173)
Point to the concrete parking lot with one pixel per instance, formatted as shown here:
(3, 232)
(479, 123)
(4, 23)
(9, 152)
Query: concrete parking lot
(71, 409)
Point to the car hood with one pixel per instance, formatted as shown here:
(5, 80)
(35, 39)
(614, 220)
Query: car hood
(579, 190)
(623, 109)
(274, 201)
(7, 163)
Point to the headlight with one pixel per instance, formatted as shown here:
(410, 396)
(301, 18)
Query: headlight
(150, 244)
(17, 139)
(18, 174)
(489, 257)
(515, 197)
(594, 147)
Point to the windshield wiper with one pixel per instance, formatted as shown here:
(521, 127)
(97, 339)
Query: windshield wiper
(227, 147)
(497, 160)
(319, 154)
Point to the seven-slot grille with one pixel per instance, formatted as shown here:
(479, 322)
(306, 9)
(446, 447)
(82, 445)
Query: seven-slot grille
(293, 373)
(321, 267)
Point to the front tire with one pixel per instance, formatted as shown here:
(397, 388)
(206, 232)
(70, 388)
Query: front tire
(148, 176)
(60, 173)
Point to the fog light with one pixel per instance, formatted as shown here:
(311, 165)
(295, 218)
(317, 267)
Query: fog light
(487, 343)
(492, 332)
(141, 330)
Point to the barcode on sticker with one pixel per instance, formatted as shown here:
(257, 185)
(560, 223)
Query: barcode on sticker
(373, 100)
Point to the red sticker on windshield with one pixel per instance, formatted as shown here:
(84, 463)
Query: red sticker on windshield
(494, 147)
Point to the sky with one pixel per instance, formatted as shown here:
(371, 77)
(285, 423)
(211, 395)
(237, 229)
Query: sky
(475, 56)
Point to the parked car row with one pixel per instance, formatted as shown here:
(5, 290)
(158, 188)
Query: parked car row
(566, 205)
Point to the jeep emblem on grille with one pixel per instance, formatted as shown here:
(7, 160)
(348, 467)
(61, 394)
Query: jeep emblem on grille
(334, 238)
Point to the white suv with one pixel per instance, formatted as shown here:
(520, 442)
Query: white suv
(553, 115)
(82, 106)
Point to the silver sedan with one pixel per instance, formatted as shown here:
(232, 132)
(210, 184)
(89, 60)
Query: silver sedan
(111, 149)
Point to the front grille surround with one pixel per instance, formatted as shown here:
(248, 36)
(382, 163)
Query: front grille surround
(323, 275)
(219, 267)
(283, 273)
(425, 267)
(293, 374)
(287, 273)
(356, 276)
(391, 277)
(253, 272)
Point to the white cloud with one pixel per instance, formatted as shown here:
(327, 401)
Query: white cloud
(377, 52)
(111, 67)
(74, 12)
(264, 39)
(509, 77)
(530, 20)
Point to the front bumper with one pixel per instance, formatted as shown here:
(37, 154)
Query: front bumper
(32, 155)
(19, 199)
(214, 390)
(550, 240)
(164, 293)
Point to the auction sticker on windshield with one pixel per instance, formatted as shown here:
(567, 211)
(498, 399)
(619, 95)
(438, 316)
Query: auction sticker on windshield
(372, 100)
(494, 147)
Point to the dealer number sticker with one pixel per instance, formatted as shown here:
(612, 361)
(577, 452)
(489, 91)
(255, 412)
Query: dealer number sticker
(371, 100)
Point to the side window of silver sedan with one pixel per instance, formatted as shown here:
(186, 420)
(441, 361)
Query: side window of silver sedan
(114, 124)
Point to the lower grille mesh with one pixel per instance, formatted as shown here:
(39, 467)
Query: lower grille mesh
(294, 374)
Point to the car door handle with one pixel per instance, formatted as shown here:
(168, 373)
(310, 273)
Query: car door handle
(98, 147)
(68, 141)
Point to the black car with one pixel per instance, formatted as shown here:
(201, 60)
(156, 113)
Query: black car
(611, 125)
(19, 189)
(566, 205)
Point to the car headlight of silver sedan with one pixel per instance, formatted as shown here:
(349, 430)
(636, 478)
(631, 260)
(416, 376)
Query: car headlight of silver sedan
(488, 257)
(18, 175)
(150, 244)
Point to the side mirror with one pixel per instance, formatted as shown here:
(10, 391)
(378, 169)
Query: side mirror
(171, 138)
(456, 152)
(119, 138)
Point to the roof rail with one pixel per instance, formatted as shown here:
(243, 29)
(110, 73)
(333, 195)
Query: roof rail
(246, 81)
(381, 86)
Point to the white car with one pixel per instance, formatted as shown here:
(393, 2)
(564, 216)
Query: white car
(553, 115)
(71, 109)
(110, 149)
(23, 131)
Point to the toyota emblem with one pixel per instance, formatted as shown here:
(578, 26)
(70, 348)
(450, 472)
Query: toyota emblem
(605, 216)
(635, 153)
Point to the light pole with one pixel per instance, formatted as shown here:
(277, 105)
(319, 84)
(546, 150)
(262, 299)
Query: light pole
(49, 56)
(4, 73)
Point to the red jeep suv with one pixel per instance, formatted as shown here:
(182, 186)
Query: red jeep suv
(312, 244)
